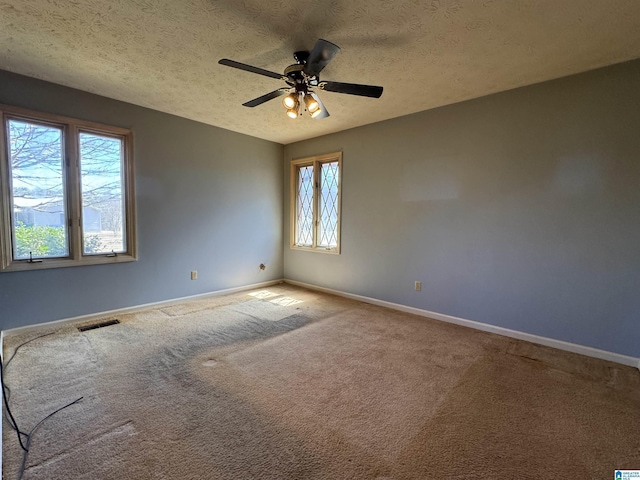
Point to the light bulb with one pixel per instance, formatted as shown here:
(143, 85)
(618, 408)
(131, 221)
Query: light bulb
(316, 113)
(292, 113)
(311, 103)
(290, 101)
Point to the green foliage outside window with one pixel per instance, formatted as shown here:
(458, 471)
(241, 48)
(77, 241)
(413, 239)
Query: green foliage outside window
(42, 241)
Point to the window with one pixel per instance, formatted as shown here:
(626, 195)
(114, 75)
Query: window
(315, 203)
(67, 192)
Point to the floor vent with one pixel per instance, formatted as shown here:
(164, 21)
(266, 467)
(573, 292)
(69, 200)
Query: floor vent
(98, 325)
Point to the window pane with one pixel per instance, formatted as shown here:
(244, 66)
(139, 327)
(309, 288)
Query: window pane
(37, 190)
(328, 214)
(304, 208)
(103, 215)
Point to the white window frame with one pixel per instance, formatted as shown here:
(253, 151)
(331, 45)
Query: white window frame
(71, 129)
(316, 162)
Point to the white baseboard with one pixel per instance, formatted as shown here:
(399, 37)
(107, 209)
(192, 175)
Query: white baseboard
(136, 308)
(549, 342)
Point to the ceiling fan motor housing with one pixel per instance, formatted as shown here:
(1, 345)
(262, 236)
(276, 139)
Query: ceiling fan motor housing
(298, 79)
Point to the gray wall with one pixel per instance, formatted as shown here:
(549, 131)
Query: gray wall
(207, 199)
(520, 209)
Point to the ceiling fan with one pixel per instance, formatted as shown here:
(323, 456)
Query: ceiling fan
(302, 78)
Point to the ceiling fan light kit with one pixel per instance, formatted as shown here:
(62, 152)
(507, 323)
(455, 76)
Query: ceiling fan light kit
(302, 78)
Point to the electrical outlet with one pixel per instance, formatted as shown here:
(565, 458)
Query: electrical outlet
(418, 286)
(194, 275)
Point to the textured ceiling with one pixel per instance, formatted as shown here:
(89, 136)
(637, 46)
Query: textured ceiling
(163, 54)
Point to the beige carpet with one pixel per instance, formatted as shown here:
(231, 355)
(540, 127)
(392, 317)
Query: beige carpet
(291, 384)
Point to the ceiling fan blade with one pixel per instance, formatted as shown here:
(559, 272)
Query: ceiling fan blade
(324, 113)
(320, 56)
(265, 98)
(352, 89)
(249, 68)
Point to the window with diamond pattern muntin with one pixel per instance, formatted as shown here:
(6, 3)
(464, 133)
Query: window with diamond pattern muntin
(315, 203)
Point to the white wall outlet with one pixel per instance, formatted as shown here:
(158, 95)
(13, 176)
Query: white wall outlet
(418, 286)
(194, 274)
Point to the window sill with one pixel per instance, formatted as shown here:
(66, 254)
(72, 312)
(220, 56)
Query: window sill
(25, 265)
(329, 251)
